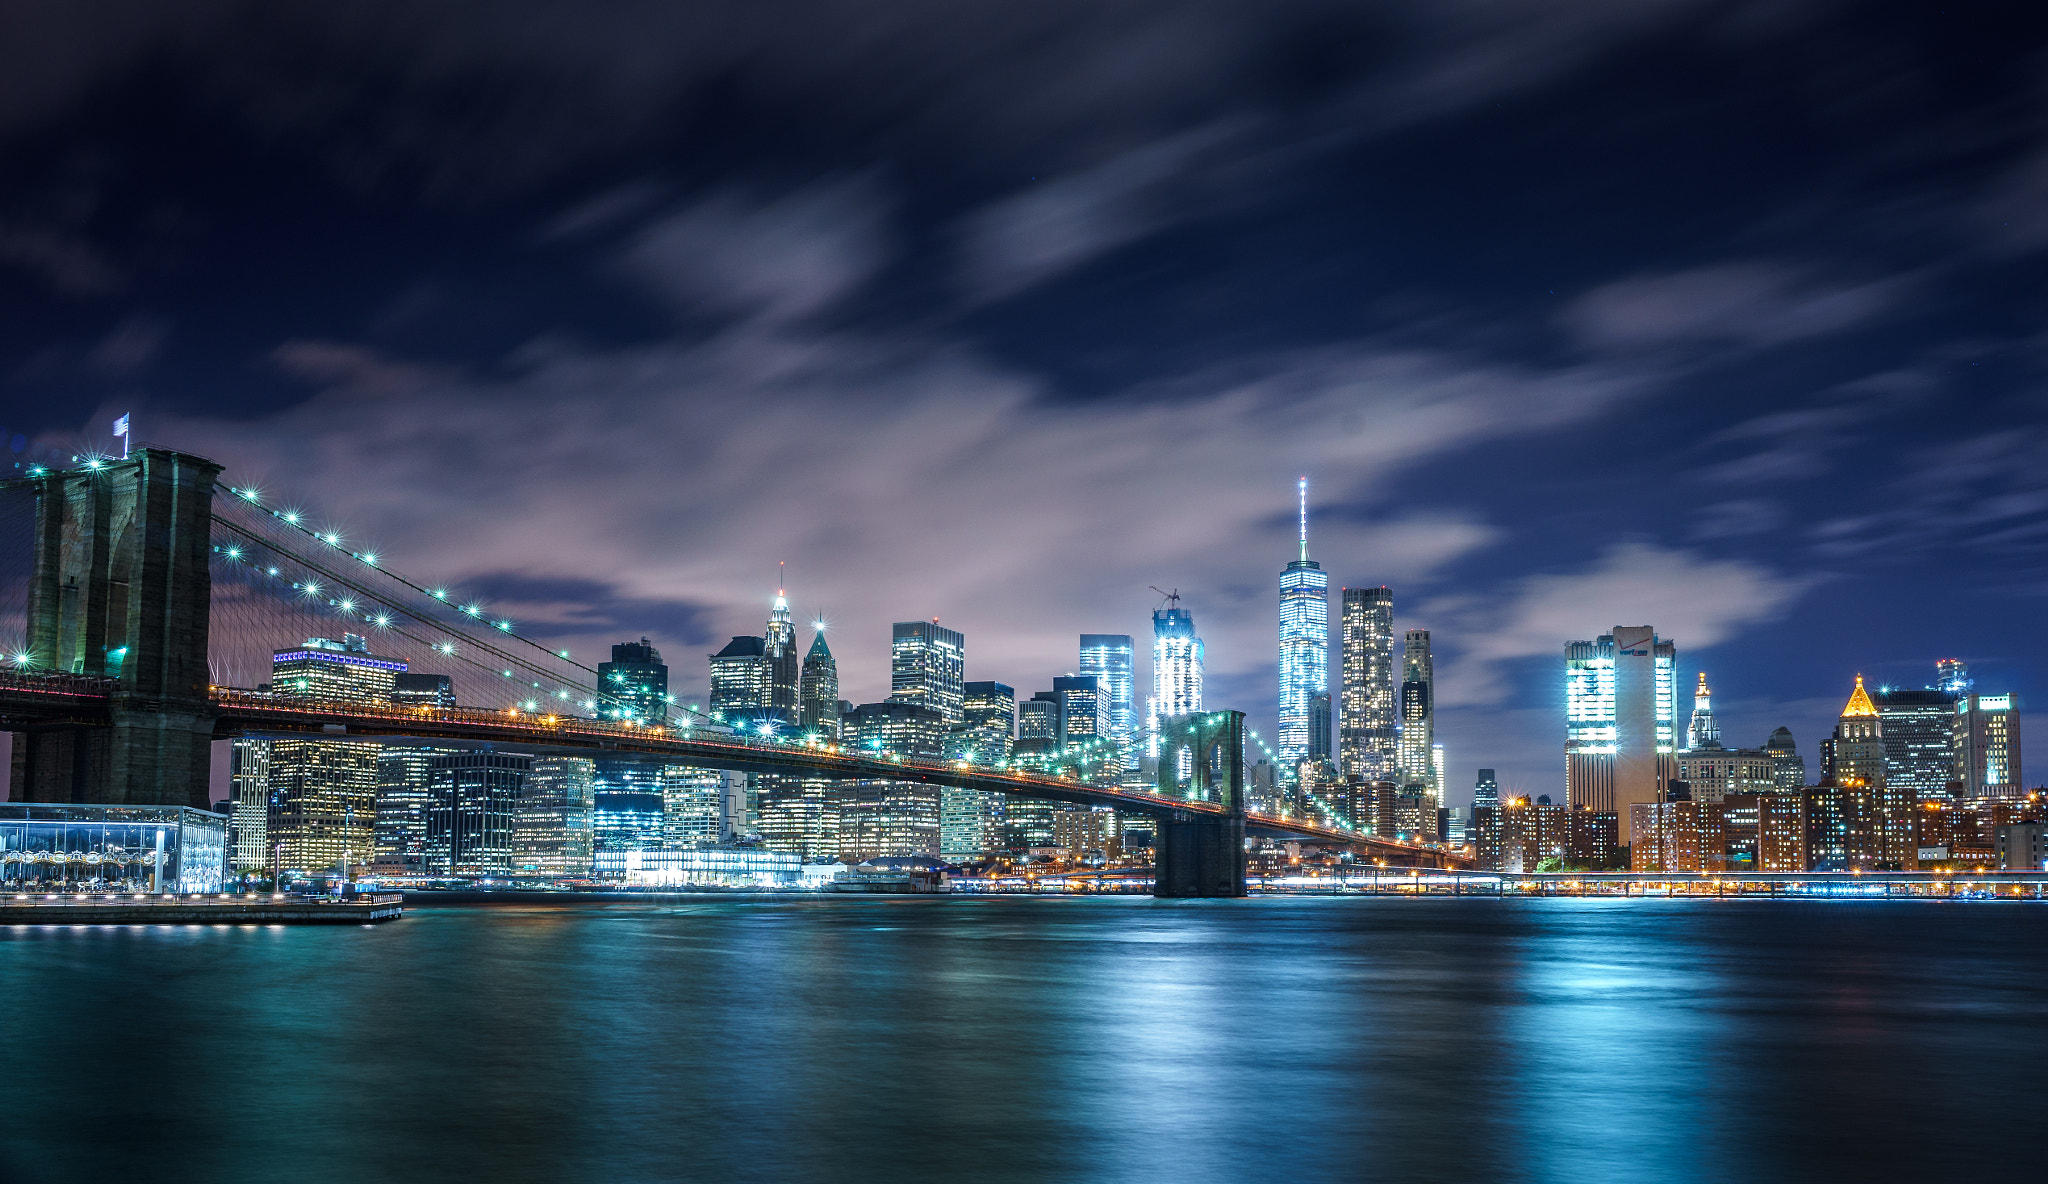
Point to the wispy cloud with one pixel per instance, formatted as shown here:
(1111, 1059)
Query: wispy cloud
(1749, 303)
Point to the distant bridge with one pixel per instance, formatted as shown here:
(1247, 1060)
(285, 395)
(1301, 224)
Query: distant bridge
(126, 624)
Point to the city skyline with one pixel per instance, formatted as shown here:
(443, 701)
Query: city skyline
(1014, 380)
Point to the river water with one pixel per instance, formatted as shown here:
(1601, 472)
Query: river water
(1039, 1039)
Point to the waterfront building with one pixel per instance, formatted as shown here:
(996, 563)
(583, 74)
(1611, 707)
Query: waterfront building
(1112, 659)
(48, 847)
(1986, 743)
(1519, 834)
(1176, 670)
(971, 824)
(701, 867)
(1436, 773)
(694, 807)
(634, 684)
(818, 690)
(1919, 744)
(2022, 846)
(1304, 646)
(1369, 718)
(1620, 716)
(1486, 790)
(403, 797)
(344, 670)
(472, 799)
(422, 690)
(551, 830)
(800, 815)
(1782, 830)
(323, 805)
(926, 668)
(249, 788)
(892, 817)
(1592, 840)
(739, 682)
(625, 819)
(1788, 768)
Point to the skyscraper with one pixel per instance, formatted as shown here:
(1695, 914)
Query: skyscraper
(404, 793)
(551, 828)
(739, 681)
(1987, 746)
(819, 690)
(249, 779)
(1304, 645)
(780, 659)
(1620, 718)
(1418, 710)
(1919, 744)
(1859, 821)
(634, 684)
(927, 666)
(337, 670)
(323, 804)
(1176, 669)
(972, 821)
(1486, 792)
(1702, 732)
(1368, 719)
(472, 797)
(1111, 658)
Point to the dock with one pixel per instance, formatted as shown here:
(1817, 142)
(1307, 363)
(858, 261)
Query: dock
(213, 908)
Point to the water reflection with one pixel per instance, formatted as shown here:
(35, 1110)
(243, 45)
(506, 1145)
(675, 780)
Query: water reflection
(1037, 1039)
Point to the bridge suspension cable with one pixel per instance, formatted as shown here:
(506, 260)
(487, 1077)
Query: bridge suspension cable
(278, 559)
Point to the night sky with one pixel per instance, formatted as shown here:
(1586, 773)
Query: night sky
(1724, 318)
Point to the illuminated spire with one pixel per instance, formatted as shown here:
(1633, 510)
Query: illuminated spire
(1703, 732)
(1859, 703)
(1302, 488)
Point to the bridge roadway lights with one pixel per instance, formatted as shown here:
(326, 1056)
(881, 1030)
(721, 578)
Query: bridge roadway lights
(1199, 855)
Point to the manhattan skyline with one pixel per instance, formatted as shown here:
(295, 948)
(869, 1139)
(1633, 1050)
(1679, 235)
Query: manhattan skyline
(1557, 343)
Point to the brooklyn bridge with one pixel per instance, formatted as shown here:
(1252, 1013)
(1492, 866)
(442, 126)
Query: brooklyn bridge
(149, 595)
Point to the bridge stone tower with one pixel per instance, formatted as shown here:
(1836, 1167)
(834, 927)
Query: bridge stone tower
(120, 590)
(1200, 854)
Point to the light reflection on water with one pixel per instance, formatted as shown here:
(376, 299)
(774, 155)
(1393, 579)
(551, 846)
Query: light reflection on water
(1015, 1039)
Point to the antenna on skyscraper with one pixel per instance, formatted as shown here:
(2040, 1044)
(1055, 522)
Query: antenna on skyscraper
(1302, 487)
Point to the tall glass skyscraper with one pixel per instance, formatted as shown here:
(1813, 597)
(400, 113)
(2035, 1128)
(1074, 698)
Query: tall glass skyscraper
(927, 667)
(818, 692)
(1176, 669)
(1418, 710)
(1304, 646)
(1368, 722)
(1111, 658)
(1621, 713)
